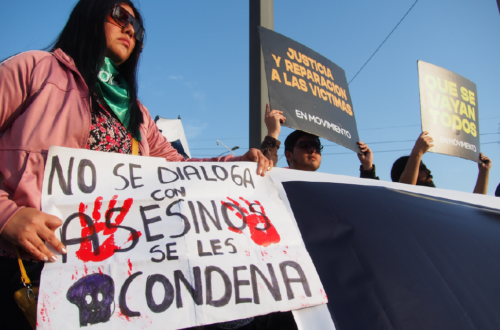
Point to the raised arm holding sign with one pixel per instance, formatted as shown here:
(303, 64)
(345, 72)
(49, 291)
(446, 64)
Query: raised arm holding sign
(411, 169)
(450, 125)
(308, 154)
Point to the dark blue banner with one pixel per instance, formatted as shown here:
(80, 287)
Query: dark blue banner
(397, 260)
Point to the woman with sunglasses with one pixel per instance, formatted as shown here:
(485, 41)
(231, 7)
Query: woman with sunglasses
(81, 94)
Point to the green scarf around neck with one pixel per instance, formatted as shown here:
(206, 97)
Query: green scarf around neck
(114, 90)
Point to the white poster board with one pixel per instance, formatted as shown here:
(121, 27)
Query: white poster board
(173, 130)
(153, 244)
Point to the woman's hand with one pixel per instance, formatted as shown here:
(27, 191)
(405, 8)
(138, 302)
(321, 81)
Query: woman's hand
(255, 155)
(29, 228)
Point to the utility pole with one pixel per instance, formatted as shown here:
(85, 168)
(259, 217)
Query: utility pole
(261, 13)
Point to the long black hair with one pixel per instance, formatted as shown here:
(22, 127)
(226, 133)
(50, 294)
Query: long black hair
(83, 38)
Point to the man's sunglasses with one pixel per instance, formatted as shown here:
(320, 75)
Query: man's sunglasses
(124, 18)
(306, 145)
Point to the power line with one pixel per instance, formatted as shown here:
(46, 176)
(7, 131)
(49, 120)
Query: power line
(212, 149)
(382, 142)
(398, 126)
(371, 129)
(384, 41)
(371, 143)
(361, 129)
(383, 151)
(374, 152)
(350, 152)
(337, 145)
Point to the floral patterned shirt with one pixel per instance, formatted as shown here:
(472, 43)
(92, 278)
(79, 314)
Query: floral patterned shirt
(107, 134)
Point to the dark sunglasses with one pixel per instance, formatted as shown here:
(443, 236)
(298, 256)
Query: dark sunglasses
(306, 145)
(124, 18)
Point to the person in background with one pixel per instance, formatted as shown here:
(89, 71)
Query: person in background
(303, 150)
(411, 169)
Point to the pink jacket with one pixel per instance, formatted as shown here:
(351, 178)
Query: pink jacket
(43, 102)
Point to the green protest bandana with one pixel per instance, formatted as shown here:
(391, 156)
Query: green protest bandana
(114, 90)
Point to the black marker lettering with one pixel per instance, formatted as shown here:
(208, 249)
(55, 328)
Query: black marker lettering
(249, 180)
(122, 300)
(157, 251)
(180, 173)
(187, 225)
(203, 211)
(266, 219)
(169, 252)
(133, 232)
(195, 172)
(115, 172)
(225, 215)
(132, 177)
(228, 290)
(195, 218)
(81, 176)
(302, 278)
(214, 169)
(237, 284)
(229, 244)
(160, 175)
(205, 174)
(74, 241)
(182, 192)
(200, 250)
(236, 176)
(215, 243)
(274, 288)
(146, 221)
(168, 298)
(56, 167)
(196, 292)
(153, 196)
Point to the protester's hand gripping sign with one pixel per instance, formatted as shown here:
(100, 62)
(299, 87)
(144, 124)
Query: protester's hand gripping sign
(311, 90)
(168, 245)
(449, 110)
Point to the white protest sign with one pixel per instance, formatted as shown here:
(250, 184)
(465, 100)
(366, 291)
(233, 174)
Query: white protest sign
(153, 244)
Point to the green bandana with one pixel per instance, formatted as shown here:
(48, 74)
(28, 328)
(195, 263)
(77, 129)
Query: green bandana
(114, 90)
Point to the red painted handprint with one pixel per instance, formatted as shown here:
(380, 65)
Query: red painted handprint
(262, 231)
(108, 228)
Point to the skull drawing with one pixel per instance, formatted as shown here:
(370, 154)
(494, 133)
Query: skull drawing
(93, 294)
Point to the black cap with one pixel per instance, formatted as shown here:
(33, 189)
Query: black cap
(398, 168)
(291, 140)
